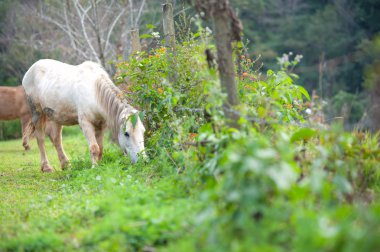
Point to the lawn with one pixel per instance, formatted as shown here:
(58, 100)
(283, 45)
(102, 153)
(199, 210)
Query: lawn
(115, 206)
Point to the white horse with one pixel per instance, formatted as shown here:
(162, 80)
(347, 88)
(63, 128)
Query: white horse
(84, 95)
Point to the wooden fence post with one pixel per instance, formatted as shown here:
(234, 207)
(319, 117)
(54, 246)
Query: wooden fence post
(135, 40)
(169, 33)
(168, 23)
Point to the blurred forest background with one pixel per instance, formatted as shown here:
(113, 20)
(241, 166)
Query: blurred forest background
(339, 41)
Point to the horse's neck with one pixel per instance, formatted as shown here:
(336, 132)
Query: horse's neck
(118, 114)
(115, 108)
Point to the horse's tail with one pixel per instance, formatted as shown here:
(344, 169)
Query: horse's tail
(29, 130)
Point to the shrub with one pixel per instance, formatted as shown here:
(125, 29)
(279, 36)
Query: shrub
(266, 181)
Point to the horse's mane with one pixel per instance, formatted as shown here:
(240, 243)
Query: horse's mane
(110, 99)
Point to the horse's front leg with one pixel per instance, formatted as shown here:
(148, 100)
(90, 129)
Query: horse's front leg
(89, 132)
(54, 131)
(99, 133)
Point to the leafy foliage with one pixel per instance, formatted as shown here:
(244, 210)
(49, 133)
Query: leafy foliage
(333, 36)
(10, 129)
(266, 182)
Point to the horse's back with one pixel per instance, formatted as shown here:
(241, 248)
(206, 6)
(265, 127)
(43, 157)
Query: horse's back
(49, 74)
(61, 90)
(45, 70)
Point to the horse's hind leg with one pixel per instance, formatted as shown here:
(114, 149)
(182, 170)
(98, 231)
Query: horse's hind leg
(89, 132)
(40, 135)
(54, 131)
(25, 138)
(38, 121)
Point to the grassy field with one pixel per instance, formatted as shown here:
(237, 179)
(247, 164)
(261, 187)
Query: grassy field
(112, 207)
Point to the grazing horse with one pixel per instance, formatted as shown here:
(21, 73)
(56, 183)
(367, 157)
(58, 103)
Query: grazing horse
(85, 95)
(13, 105)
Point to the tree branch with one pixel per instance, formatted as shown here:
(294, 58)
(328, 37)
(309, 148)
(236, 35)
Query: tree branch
(82, 17)
(112, 27)
(139, 13)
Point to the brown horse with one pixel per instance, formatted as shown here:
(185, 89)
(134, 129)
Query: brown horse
(13, 105)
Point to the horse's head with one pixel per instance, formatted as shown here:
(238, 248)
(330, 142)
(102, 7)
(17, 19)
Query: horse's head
(131, 137)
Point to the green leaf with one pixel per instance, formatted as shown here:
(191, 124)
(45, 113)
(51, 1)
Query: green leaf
(303, 134)
(150, 26)
(295, 76)
(261, 112)
(143, 36)
(304, 92)
(141, 115)
(134, 119)
(174, 100)
(232, 130)
(196, 35)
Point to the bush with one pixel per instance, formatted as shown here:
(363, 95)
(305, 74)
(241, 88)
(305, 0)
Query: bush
(277, 183)
(10, 130)
(349, 106)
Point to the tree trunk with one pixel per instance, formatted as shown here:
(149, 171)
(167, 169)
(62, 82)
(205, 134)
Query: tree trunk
(96, 29)
(101, 52)
(321, 71)
(375, 104)
(225, 59)
(227, 29)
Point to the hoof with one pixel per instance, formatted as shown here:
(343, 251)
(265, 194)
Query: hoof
(27, 147)
(66, 165)
(46, 168)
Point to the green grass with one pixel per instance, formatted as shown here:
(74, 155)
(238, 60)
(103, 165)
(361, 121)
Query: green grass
(115, 206)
